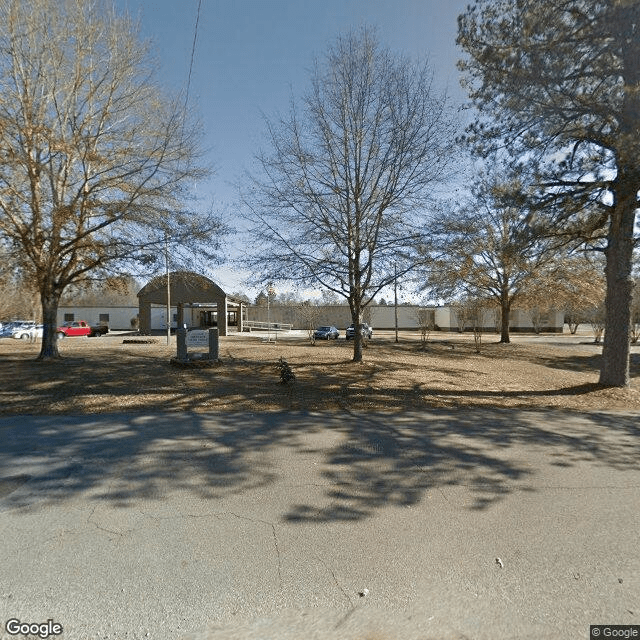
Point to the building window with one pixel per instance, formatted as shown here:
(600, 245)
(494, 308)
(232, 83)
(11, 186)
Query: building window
(69, 317)
(104, 318)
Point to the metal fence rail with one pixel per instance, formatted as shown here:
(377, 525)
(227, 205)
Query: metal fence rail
(254, 325)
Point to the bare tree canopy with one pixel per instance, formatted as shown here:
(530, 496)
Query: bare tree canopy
(347, 176)
(558, 84)
(485, 248)
(92, 154)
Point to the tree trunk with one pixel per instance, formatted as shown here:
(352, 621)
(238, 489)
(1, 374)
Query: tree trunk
(357, 340)
(614, 370)
(356, 318)
(505, 310)
(49, 350)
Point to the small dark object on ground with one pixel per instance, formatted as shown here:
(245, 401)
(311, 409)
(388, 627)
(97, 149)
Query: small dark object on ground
(286, 373)
(139, 341)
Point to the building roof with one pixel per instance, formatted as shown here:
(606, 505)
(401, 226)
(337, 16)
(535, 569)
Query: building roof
(185, 286)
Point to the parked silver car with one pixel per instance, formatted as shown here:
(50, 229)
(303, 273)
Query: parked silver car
(366, 331)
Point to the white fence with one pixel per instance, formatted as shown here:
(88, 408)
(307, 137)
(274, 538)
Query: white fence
(254, 325)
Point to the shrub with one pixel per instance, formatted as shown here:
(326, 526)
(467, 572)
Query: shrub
(286, 372)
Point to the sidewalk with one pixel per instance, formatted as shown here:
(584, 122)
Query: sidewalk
(482, 524)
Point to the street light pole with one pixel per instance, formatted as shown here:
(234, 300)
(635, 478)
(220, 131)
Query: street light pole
(166, 263)
(270, 292)
(395, 296)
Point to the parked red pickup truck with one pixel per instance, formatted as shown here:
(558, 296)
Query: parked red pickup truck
(80, 328)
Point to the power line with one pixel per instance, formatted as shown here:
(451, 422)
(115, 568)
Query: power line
(193, 53)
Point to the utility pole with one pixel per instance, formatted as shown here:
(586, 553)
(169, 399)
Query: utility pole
(270, 292)
(395, 296)
(166, 263)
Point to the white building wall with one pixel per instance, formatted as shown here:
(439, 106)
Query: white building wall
(159, 317)
(524, 319)
(119, 317)
(378, 316)
(383, 317)
(443, 318)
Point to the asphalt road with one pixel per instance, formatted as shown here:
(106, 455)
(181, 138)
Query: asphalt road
(440, 524)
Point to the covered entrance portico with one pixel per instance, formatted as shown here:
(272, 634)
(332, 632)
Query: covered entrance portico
(209, 305)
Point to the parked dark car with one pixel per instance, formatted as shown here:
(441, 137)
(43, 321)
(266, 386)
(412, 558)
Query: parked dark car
(98, 330)
(326, 333)
(366, 330)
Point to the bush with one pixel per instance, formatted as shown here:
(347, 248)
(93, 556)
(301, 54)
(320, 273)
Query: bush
(286, 372)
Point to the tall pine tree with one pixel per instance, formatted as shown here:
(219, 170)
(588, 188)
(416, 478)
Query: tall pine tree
(558, 85)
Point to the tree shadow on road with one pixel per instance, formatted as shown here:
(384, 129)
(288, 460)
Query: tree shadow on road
(365, 461)
(395, 461)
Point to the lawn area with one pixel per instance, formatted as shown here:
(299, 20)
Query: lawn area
(98, 375)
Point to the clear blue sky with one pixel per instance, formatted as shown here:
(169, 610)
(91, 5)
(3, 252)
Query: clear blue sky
(251, 56)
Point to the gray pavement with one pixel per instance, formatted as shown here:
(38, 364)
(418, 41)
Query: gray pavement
(439, 524)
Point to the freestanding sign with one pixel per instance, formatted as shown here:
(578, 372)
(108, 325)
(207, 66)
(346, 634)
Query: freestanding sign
(198, 338)
(194, 339)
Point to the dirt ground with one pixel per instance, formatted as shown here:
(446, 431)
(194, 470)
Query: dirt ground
(98, 375)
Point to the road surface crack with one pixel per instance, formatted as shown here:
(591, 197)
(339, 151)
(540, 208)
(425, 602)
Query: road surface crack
(335, 580)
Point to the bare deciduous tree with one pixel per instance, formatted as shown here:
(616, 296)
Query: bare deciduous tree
(19, 300)
(558, 85)
(476, 311)
(461, 314)
(309, 314)
(426, 323)
(94, 157)
(577, 288)
(485, 250)
(114, 290)
(597, 317)
(342, 188)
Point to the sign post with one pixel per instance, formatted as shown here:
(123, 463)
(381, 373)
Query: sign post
(195, 347)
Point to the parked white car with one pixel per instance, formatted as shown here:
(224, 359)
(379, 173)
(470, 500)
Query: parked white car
(8, 328)
(28, 332)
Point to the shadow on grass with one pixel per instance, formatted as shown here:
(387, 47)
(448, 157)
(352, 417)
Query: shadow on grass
(581, 363)
(144, 381)
(365, 462)
(574, 390)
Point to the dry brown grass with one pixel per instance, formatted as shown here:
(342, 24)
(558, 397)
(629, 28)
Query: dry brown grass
(105, 375)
